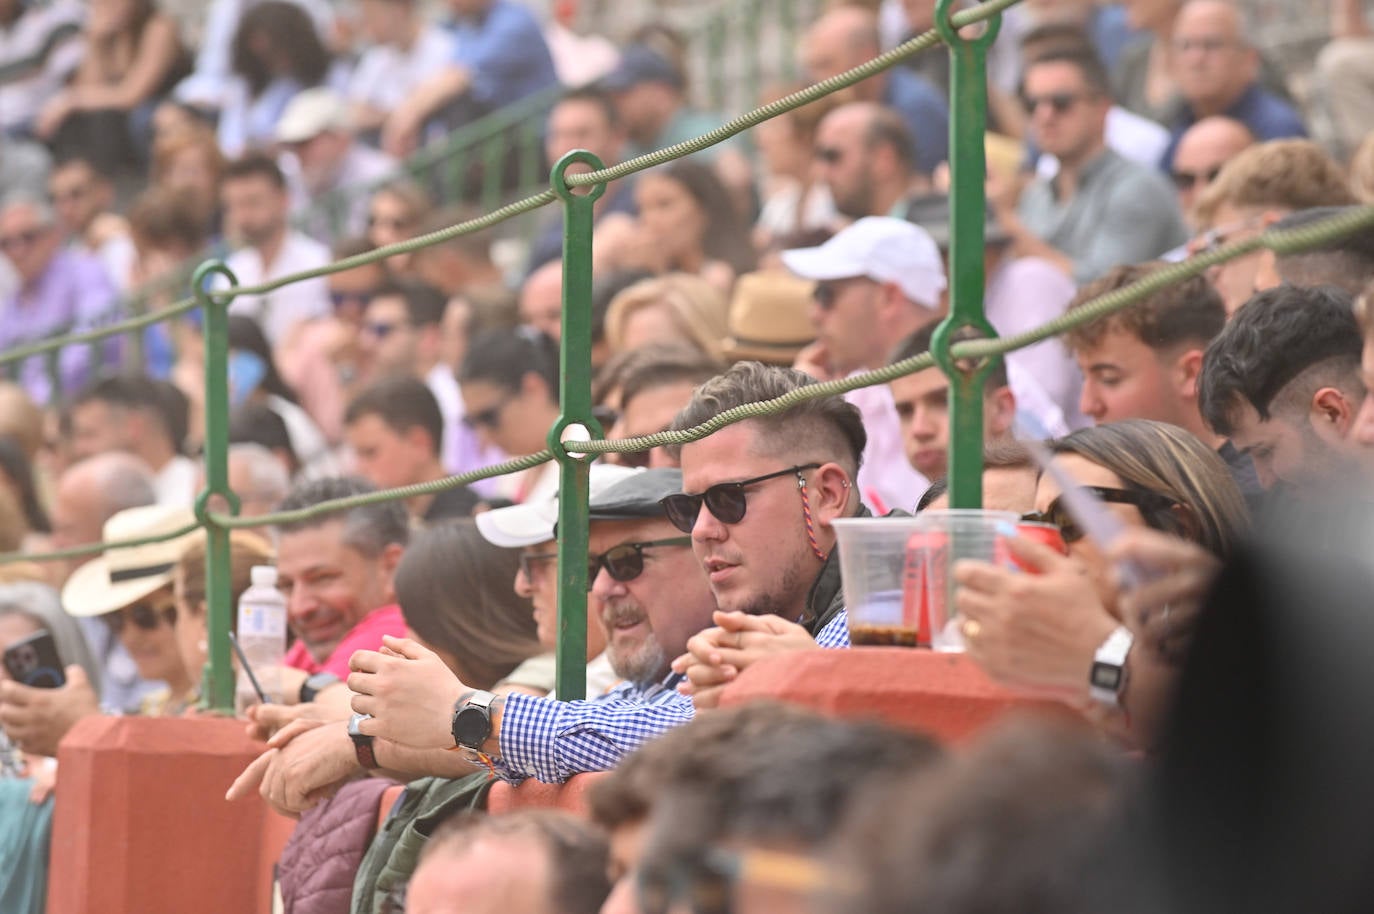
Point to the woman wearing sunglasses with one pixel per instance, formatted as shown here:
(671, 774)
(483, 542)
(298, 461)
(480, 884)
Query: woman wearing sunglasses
(1071, 618)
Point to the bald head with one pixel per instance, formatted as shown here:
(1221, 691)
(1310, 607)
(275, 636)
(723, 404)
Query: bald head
(94, 490)
(842, 38)
(1214, 60)
(541, 299)
(1202, 150)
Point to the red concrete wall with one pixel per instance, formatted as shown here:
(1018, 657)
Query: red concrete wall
(571, 797)
(141, 824)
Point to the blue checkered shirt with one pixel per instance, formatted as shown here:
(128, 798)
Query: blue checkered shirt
(836, 631)
(551, 740)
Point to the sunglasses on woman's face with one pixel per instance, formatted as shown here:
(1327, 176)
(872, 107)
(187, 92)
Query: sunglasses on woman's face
(145, 616)
(626, 561)
(1058, 515)
(727, 501)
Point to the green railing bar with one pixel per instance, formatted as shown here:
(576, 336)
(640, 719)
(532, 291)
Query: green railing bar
(19, 353)
(968, 114)
(575, 400)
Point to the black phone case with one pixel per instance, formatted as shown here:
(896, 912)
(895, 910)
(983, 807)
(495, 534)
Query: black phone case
(34, 662)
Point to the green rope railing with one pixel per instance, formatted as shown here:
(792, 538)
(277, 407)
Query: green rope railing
(1278, 240)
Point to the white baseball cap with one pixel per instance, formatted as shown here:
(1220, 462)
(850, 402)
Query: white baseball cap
(532, 522)
(879, 248)
(310, 113)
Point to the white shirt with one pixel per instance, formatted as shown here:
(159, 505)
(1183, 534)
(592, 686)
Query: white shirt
(22, 98)
(279, 312)
(386, 75)
(886, 480)
(313, 455)
(175, 484)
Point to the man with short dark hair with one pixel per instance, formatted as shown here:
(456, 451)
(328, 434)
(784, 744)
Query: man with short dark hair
(1346, 262)
(653, 390)
(1100, 209)
(394, 428)
(1282, 382)
(143, 417)
(336, 572)
(864, 154)
(84, 199)
(256, 205)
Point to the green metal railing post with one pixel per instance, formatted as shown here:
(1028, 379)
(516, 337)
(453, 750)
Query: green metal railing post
(575, 397)
(968, 114)
(217, 689)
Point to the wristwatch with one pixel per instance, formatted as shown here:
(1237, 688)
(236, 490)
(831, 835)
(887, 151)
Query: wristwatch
(362, 743)
(472, 720)
(1107, 679)
(316, 684)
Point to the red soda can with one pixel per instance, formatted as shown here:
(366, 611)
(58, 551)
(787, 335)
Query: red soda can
(1046, 534)
(924, 554)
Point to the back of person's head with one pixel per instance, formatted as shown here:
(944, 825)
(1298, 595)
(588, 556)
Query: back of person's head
(503, 358)
(1185, 312)
(829, 427)
(1028, 819)
(15, 466)
(401, 403)
(272, 29)
(123, 481)
(424, 304)
(161, 401)
(1282, 175)
(919, 342)
(259, 424)
(267, 477)
(1281, 347)
(1156, 457)
(698, 310)
(887, 129)
(662, 366)
(1346, 262)
(167, 217)
(455, 593)
(1082, 58)
(997, 455)
(369, 528)
(575, 852)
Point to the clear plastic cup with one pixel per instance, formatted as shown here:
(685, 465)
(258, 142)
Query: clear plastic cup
(882, 608)
(945, 538)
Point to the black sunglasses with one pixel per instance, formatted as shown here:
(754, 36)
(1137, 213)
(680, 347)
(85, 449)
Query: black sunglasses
(1187, 180)
(827, 154)
(626, 561)
(143, 615)
(1059, 102)
(489, 417)
(726, 501)
(1059, 516)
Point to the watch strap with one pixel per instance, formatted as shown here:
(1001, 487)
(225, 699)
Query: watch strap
(364, 746)
(315, 684)
(476, 702)
(1107, 677)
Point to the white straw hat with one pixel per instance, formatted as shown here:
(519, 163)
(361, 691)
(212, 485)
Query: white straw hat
(120, 577)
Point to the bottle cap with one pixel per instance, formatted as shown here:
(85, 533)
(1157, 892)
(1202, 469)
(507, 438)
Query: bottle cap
(263, 575)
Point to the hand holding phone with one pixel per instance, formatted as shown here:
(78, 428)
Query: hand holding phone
(34, 662)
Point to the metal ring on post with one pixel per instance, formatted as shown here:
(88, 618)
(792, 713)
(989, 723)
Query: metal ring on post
(944, 9)
(558, 177)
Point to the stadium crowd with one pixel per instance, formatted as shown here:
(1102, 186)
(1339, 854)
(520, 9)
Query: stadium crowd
(1216, 411)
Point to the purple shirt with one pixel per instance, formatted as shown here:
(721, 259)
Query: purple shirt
(73, 294)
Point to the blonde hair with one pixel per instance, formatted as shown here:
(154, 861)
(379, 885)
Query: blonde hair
(1362, 171)
(246, 549)
(1281, 174)
(698, 309)
(21, 419)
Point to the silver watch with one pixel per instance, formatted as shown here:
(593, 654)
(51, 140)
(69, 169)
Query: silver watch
(1107, 678)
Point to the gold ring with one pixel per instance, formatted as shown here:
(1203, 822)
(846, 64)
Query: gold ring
(971, 629)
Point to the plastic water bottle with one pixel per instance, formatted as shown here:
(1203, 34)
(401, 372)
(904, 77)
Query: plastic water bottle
(262, 637)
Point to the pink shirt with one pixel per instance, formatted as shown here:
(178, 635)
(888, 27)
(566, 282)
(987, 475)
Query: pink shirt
(365, 636)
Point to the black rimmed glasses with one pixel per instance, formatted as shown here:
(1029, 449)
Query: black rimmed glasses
(626, 561)
(1059, 102)
(1057, 515)
(727, 501)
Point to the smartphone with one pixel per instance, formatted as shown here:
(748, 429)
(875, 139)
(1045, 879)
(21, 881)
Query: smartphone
(34, 662)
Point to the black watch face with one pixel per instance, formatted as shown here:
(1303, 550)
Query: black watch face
(471, 727)
(1106, 676)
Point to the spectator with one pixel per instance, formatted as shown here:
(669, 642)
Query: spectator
(922, 405)
(1143, 79)
(510, 391)
(792, 200)
(687, 224)
(863, 155)
(677, 309)
(499, 56)
(258, 477)
(1100, 209)
(396, 211)
(1009, 479)
(769, 318)
(1282, 382)
(1156, 477)
(336, 572)
(316, 132)
(17, 480)
(1202, 151)
(133, 55)
(43, 44)
(462, 266)
(83, 199)
(541, 300)
(143, 417)
(587, 118)
(277, 53)
(655, 387)
(534, 861)
(876, 281)
(1344, 74)
(846, 36)
(1347, 262)
(1144, 362)
(59, 291)
(1217, 69)
(257, 425)
(256, 204)
(1253, 191)
(402, 51)
(168, 231)
(395, 430)
(24, 168)
(189, 161)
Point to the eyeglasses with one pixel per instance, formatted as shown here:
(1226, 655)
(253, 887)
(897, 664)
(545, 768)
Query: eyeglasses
(489, 417)
(360, 299)
(532, 563)
(726, 501)
(21, 239)
(626, 561)
(1059, 102)
(143, 615)
(1207, 45)
(828, 155)
(827, 292)
(1215, 238)
(379, 329)
(1187, 180)
(1058, 516)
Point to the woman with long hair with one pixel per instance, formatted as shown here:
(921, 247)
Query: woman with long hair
(676, 309)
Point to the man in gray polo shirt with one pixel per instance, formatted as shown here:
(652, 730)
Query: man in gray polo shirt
(1100, 210)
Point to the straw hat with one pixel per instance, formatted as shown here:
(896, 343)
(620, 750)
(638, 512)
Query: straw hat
(770, 318)
(120, 577)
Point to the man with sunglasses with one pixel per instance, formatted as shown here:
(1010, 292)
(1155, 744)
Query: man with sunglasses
(1100, 209)
(1202, 151)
